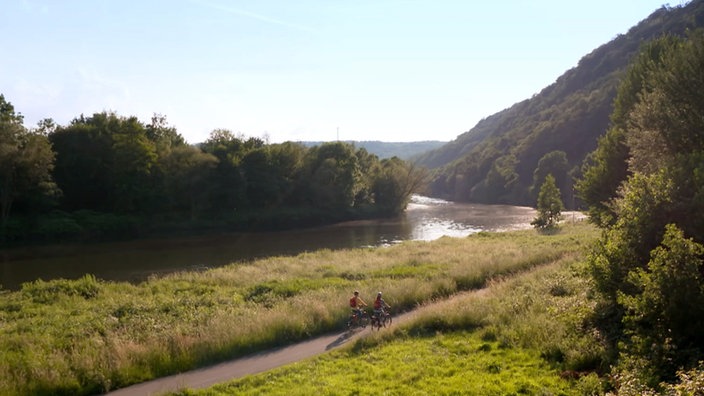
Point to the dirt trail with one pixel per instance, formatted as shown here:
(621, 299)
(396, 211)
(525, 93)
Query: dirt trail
(257, 363)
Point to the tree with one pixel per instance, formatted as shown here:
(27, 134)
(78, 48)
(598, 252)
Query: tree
(553, 163)
(606, 168)
(549, 205)
(647, 275)
(229, 192)
(134, 156)
(104, 162)
(395, 183)
(666, 316)
(603, 172)
(26, 161)
(187, 177)
(263, 189)
(332, 177)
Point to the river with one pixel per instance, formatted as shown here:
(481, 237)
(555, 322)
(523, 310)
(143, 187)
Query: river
(425, 219)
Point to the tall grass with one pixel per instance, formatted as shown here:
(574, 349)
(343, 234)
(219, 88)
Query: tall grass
(547, 310)
(88, 336)
(526, 334)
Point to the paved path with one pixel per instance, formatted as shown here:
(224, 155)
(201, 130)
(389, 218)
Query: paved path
(260, 362)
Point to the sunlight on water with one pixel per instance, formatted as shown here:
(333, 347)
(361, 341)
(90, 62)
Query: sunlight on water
(439, 228)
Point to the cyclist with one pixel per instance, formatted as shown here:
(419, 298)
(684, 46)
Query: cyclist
(380, 306)
(356, 303)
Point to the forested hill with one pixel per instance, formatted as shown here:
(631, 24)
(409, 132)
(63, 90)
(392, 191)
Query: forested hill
(495, 162)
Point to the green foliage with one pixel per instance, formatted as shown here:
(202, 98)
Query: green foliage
(688, 383)
(333, 175)
(394, 183)
(549, 206)
(555, 164)
(646, 273)
(603, 172)
(118, 166)
(26, 162)
(104, 163)
(668, 310)
(42, 292)
(187, 180)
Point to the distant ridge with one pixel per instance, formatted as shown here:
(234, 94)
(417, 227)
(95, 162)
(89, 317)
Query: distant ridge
(403, 150)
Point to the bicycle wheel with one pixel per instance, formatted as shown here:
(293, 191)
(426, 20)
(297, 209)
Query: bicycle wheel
(364, 320)
(387, 320)
(352, 322)
(375, 322)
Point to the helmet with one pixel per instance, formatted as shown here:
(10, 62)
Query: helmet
(378, 294)
(356, 292)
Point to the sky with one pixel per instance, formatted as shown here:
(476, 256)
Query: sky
(305, 70)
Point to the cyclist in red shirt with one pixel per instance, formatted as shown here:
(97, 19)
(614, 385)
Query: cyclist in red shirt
(356, 303)
(380, 306)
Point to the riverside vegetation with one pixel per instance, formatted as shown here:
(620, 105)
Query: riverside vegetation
(527, 334)
(522, 335)
(87, 336)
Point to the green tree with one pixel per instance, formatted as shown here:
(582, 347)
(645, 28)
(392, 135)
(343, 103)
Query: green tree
(607, 168)
(500, 181)
(104, 163)
(133, 159)
(26, 161)
(396, 181)
(164, 136)
(229, 192)
(265, 186)
(187, 180)
(271, 173)
(665, 318)
(549, 205)
(643, 268)
(332, 177)
(553, 163)
(603, 171)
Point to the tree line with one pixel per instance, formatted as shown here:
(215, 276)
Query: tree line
(644, 186)
(107, 175)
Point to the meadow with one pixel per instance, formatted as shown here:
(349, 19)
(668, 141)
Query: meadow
(88, 336)
(521, 335)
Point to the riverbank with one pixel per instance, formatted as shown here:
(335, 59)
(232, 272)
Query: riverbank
(135, 261)
(119, 334)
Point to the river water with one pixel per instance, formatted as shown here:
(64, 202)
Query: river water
(425, 219)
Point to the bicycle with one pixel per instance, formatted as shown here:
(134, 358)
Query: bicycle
(383, 321)
(358, 318)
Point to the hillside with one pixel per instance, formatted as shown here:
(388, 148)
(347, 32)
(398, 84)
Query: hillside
(495, 161)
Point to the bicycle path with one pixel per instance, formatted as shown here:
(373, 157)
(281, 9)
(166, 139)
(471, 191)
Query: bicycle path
(253, 364)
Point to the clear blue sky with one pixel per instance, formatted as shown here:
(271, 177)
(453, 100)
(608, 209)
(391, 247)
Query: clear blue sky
(297, 70)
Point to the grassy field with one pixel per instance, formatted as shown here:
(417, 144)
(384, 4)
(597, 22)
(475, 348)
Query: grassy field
(445, 364)
(88, 336)
(523, 335)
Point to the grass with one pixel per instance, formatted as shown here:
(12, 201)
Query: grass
(522, 335)
(89, 336)
(444, 364)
